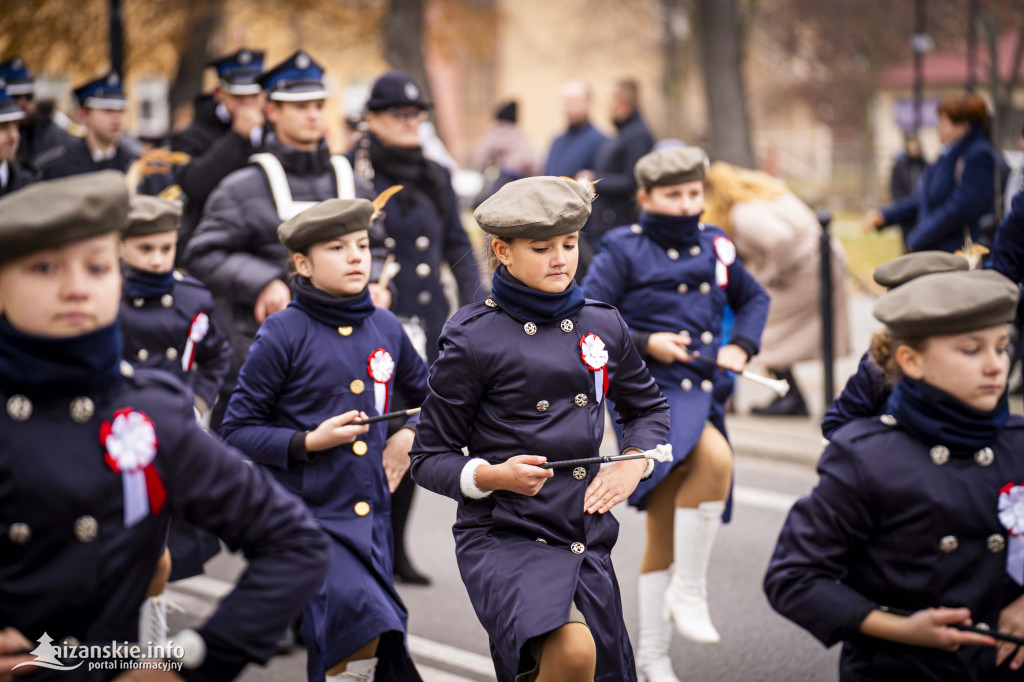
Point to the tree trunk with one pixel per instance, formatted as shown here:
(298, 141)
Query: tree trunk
(675, 53)
(403, 42)
(204, 18)
(718, 28)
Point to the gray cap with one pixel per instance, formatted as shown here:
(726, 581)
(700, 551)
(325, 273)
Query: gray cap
(671, 166)
(151, 215)
(53, 213)
(325, 221)
(948, 303)
(536, 208)
(905, 268)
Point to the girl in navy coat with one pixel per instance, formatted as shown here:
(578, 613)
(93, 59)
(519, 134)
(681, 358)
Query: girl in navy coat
(520, 380)
(672, 276)
(916, 523)
(329, 359)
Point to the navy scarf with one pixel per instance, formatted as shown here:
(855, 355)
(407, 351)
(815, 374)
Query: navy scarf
(47, 366)
(934, 417)
(334, 311)
(532, 305)
(671, 232)
(145, 284)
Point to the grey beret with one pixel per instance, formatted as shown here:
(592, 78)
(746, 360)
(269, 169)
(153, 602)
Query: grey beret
(671, 166)
(905, 268)
(536, 208)
(53, 213)
(325, 221)
(151, 215)
(948, 303)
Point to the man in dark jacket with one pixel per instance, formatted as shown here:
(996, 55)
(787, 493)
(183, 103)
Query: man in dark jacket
(616, 204)
(575, 151)
(38, 132)
(906, 172)
(226, 129)
(12, 175)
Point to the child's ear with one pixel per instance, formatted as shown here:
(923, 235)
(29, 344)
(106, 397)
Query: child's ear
(910, 363)
(303, 265)
(503, 251)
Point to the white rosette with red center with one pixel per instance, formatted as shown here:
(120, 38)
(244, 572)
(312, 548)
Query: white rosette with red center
(196, 333)
(725, 252)
(595, 357)
(1011, 515)
(381, 367)
(130, 441)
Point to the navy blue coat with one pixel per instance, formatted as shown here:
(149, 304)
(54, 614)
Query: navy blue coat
(70, 568)
(659, 290)
(74, 157)
(616, 191)
(888, 525)
(17, 177)
(864, 396)
(501, 391)
(574, 150)
(299, 373)
(38, 136)
(954, 193)
(1008, 249)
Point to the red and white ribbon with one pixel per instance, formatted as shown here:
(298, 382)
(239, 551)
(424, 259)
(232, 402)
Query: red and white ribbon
(1011, 515)
(595, 357)
(196, 333)
(381, 367)
(725, 251)
(130, 441)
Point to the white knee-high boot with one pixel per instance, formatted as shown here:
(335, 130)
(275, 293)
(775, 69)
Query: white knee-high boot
(362, 670)
(652, 661)
(687, 597)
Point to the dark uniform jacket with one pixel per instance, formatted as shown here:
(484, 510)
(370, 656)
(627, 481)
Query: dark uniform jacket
(74, 158)
(1008, 250)
(504, 386)
(70, 568)
(216, 151)
(574, 150)
(899, 523)
(864, 396)
(38, 136)
(616, 191)
(17, 177)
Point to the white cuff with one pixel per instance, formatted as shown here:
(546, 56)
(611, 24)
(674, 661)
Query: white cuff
(467, 481)
(649, 470)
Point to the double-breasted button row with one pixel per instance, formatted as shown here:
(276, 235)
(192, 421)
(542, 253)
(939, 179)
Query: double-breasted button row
(81, 409)
(706, 385)
(86, 528)
(171, 354)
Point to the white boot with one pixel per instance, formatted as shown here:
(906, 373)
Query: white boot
(687, 597)
(153, 620)
(362, 670)
(652, 661)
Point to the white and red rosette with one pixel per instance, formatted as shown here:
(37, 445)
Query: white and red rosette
(595, 357)
(196, 333)
(381, 367)
(1011, 515)
(130, 441)
(725, 253)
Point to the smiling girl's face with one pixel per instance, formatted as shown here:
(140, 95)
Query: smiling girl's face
(544, 264)
(65, 291)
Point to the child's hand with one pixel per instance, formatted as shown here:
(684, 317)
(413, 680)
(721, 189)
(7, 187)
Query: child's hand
(396, 456)
(613, 484)
(1011, 621)
(336, 431)
(520, 474)
(732, 357)
(12, 643)
(927, 628)
(668, 347)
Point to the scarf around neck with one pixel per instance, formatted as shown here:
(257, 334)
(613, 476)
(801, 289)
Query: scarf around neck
(533, 305)
(678, 232)
(140, 283)
(334, 311)
(408, 167)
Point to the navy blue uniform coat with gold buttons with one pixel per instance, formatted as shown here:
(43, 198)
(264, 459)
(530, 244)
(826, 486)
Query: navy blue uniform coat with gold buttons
(887, 525)
(503, 392)
(300, 372)
(78, 572)
(658, 293)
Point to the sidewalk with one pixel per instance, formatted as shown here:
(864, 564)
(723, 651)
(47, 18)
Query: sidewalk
(792, 439)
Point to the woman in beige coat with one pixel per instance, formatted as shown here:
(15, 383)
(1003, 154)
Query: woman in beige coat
(778, 238)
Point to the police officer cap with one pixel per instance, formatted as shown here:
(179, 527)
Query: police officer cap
(395, 89)
(19, 79)
(325, 221)
(905, 268)
(151, 215)
(671, 166)
(53, 213)
(536, 208)
(297, 79)
(105, 92)
(9, 109)
(948, 303)
(239, 73)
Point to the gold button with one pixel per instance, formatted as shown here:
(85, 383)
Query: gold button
(567, 326)
(359, 447)
(142, 355)
(138, 302)
(389, 242)
(422, 270)
(543, 405)
(707, 386)
(490, 303)
(579, 473)
(127, 369)
(577, 548)
(345, 331)
(19, 408)
(706, 338)
(686, 384)
(167, 300)
(82, 409)
(19, 533)
(939, 455)
(542, 541)
(673, 254)
(949, 544)
(984, 457)
(178, 277)
(362, 508)
(636, 229)
(705, 288)
(682, 288)
(422, 243)
(996, 543)
(171, 354)
(581, 400)
(86, 528)
(694, 250)
(357, 386)
(530, 328)
(888, 420)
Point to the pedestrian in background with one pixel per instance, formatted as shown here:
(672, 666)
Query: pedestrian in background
(13, 175)
(573, 154)
(906, 173)
(503, 153)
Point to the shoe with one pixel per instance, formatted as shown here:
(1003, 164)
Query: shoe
(686, 600)
(405, 573)
(790, 405)
(652, 661)
(363, 670)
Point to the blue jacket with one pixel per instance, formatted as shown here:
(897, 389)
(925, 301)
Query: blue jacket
(69, 566)
(893, 523)
(574, 150)
(864, 396)
(954, 193)
(616, 191)
(500, 390)
(300, 372)
(659, 290)
(1008, 249)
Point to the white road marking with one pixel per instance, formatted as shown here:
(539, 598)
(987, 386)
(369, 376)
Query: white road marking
(453, 656)
(434, 675)
(766, 499)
